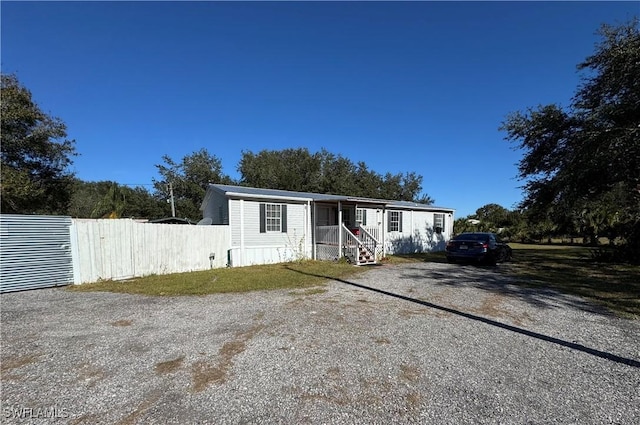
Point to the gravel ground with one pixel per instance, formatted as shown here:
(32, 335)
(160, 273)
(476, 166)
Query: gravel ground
(415, 343)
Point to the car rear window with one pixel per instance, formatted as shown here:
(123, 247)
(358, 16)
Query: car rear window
(471, 237)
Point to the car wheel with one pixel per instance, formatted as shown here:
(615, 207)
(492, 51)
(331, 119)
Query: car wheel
(451, 260)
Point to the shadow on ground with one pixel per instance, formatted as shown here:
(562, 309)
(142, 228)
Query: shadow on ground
(499, 280)
(490, 322)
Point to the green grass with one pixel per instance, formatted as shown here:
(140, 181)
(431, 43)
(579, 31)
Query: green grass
(296, 275)
(571, 270)
(568, 269)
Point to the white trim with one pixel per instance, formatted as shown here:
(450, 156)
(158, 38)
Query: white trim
(267, 217)
(255, 196)
(242, 247)
(384, 231)
(307, 221)
(340, 229)
(314, 219)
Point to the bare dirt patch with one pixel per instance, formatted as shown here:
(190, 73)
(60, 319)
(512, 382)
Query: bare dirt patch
(493, 306)
(10, 364)
(205, 373)
(134, 416)
(409, 373)
(169, 366)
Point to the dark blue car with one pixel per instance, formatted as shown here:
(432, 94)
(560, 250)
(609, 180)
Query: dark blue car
(480, 247)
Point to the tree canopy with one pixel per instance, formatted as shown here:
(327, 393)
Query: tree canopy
(107, 199)
(35, 155)
(324, 172)
(581, 164)
(189, 179)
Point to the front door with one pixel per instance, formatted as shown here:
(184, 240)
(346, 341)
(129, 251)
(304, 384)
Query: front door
(349, 217)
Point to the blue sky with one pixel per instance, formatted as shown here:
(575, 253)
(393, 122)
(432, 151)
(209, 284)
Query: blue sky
(410, 86)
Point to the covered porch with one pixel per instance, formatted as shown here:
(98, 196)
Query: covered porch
(348, 229)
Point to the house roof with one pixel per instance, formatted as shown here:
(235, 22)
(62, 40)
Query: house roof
(249, 192)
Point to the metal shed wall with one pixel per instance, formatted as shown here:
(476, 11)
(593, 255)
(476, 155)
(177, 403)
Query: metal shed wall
(35, 252)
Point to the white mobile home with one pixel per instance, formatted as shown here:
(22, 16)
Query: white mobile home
(271, 226)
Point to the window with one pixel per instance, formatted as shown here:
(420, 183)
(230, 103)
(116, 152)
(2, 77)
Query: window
(438, 222)
(273, 218)
(395, 221)
(361, 217)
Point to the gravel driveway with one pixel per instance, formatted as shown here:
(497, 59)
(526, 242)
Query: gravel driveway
(415, 343)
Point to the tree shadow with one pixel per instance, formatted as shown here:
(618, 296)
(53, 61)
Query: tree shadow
(418, 242)
(543, 274)
(499, 280)
(490, 322)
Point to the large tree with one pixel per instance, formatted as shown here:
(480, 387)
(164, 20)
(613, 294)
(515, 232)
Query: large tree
(35, 154)
(188, 179)
(325, 172)
(579, 158)
(109, 199)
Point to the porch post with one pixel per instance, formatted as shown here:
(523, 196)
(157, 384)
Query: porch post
(314, 214)
(384, 232)
(242, 256)
(339, 229)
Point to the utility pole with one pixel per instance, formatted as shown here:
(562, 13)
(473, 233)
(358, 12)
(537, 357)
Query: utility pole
(173, 205)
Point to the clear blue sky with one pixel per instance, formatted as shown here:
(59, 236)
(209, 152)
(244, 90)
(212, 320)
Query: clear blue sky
(412, 86)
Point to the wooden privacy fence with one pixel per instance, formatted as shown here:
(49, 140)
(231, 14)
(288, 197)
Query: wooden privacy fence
(119, 249)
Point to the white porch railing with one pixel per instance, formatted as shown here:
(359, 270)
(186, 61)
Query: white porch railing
(368, 241)
(350, 245)
(330, 246)
(327, 235)
(374, 231)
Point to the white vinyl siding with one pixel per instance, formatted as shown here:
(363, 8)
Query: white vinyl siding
(418, 232)
(234, 220)
(252, 236)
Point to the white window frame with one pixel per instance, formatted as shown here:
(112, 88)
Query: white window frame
(273, 218)
(394, 221)
(361, 215)
(438, 222)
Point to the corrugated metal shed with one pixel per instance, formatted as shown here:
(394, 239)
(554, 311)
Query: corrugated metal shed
(35, 252)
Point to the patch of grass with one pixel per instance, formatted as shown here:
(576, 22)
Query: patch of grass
(294, 275)
(570, 269)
